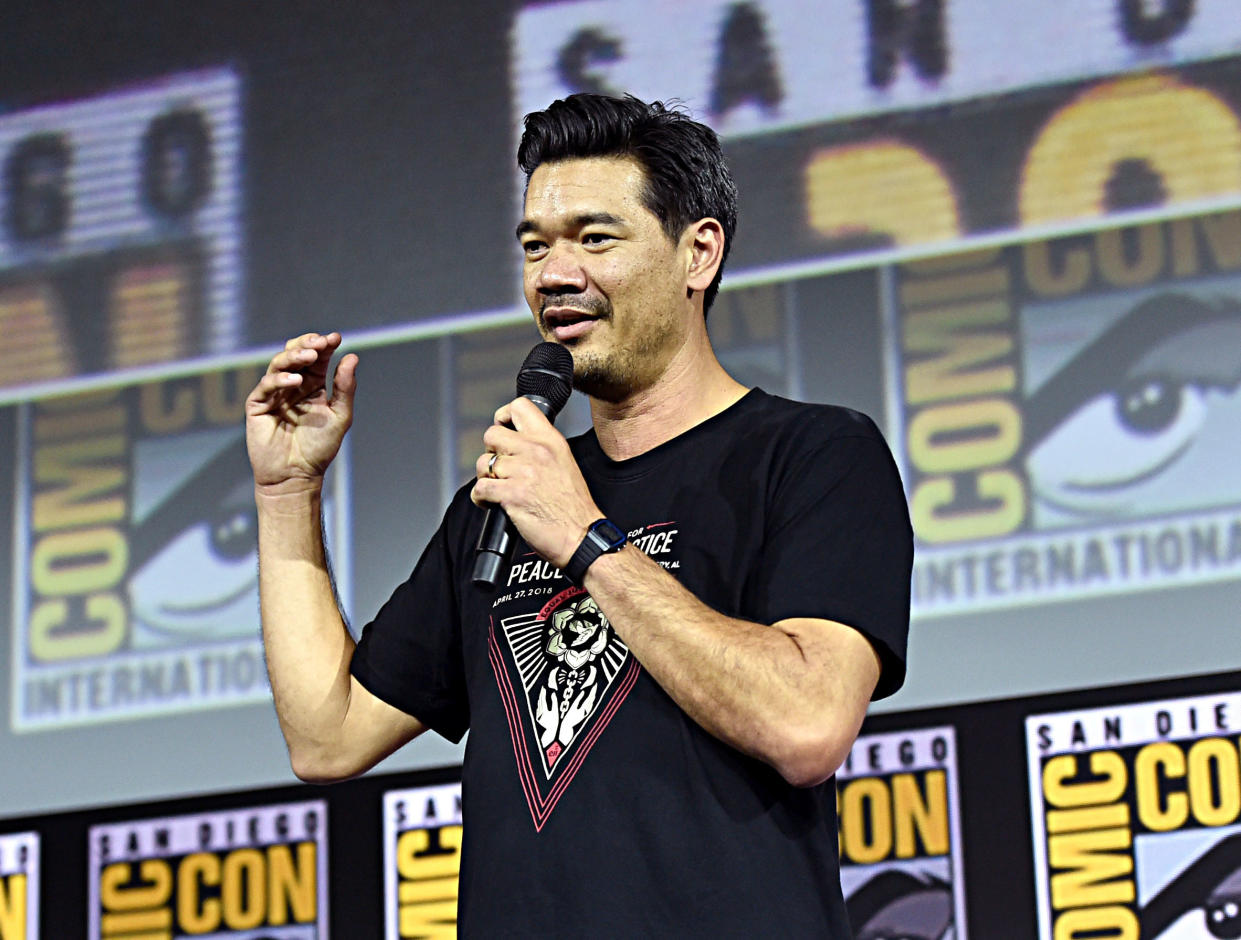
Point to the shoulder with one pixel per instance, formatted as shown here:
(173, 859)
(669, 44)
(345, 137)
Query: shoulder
(809, 426)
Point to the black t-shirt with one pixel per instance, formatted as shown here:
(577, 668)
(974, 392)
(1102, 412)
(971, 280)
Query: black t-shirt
(593, 805)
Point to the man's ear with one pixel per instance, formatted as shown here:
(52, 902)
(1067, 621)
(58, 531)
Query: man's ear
(706, 253)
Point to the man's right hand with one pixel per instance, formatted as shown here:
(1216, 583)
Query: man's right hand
(293, 429)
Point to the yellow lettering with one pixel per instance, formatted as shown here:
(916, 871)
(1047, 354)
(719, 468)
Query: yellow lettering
(244, 889)
(153, 890)
(78, 562)
(935, 519)
(1067, 275)
(1106, 764)
(869, 188)
(953, 438)
(166, 407)
(101, 632)
(1114, 923)
(194, 913)
(1153, 764)
(90, 483)
(427, 893)
(34, 332)
(916, 816)
(1118, 268)
(1068, 168)
(953, 371)
(292, 888)
(1094, 860)
(13, 907)
(866, 800)
(1223, 237)
(1082, 818)
(1214, 782)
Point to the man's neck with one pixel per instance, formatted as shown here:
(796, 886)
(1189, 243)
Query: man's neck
(691, 390)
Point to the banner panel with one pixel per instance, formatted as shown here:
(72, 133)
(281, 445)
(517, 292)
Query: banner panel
(19, 886)
(900, 835)
(120, 232)
(422, 858)
(229, 874)
(1062, 410)
(1137, 819)
(135, 547)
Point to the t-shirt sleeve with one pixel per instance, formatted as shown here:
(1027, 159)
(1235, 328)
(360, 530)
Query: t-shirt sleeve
(838, 545)
(410, 654)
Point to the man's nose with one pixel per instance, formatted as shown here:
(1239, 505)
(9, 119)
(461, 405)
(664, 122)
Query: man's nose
(561, 270)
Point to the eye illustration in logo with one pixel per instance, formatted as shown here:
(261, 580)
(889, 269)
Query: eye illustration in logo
(1145, 420)
(193, 548)
(1201, 902)
(895, 905)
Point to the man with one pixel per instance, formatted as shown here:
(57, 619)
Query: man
(651, 736)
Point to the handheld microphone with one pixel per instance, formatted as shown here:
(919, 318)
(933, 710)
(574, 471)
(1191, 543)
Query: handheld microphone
(546, 378)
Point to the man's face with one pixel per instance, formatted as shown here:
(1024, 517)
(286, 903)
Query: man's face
(601, 276)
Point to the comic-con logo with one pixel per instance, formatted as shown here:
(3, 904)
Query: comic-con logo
(422, 859)
(562, 672)
(900, 843)
(19, 886)
(1137, 816)
(238, 873)
(136, 542)
(1063, 408)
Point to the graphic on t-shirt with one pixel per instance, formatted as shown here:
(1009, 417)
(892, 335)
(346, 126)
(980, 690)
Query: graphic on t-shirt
(562, 670)
(572, 676)
(1137, 819)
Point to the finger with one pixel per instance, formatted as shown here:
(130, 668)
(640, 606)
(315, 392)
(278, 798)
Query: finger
(314, 341)
(484, 492)
(526, 416)
(502, 416)
(270, 386)
(293, 360)
(487, 466)
(501, 440)
(344, 384)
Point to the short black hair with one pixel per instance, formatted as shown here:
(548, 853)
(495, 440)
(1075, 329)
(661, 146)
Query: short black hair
(686, 176)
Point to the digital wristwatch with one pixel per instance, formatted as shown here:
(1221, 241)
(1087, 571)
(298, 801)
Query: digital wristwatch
(602, 538)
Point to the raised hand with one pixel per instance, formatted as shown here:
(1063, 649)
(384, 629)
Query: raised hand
(293, 429)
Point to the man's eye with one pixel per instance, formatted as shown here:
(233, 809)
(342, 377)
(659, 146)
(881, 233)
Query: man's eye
(596, 238)
(532, 247)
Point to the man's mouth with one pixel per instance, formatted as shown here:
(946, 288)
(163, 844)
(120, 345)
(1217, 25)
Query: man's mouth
(567, 322)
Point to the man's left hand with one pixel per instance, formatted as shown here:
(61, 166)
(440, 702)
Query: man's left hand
(528, 469)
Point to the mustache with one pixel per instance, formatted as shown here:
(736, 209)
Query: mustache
(593, 305)
(597, 307)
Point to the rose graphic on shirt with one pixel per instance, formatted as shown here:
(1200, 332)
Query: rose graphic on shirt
(562, 673)
(570, 688)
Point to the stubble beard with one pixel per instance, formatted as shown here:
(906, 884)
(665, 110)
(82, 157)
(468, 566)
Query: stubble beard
(621, 367)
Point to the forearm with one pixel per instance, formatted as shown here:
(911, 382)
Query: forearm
(791, 694)
(307, 644)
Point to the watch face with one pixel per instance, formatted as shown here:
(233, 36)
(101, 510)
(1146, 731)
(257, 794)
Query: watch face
(608, 530)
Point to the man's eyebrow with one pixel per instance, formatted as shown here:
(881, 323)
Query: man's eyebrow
(579, 221)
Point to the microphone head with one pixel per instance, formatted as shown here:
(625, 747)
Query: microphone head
(547, 373)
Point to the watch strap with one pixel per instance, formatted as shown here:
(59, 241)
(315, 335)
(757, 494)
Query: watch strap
(602, 537)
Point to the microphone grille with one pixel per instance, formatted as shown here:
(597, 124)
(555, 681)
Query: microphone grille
(548, 373)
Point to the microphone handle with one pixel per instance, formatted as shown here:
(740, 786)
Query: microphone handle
(493, 553)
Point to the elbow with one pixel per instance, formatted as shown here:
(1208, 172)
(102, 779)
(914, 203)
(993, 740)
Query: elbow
(310, 767)
(810, 758)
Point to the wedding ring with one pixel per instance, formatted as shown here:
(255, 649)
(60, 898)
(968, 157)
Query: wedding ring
(491, 466)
